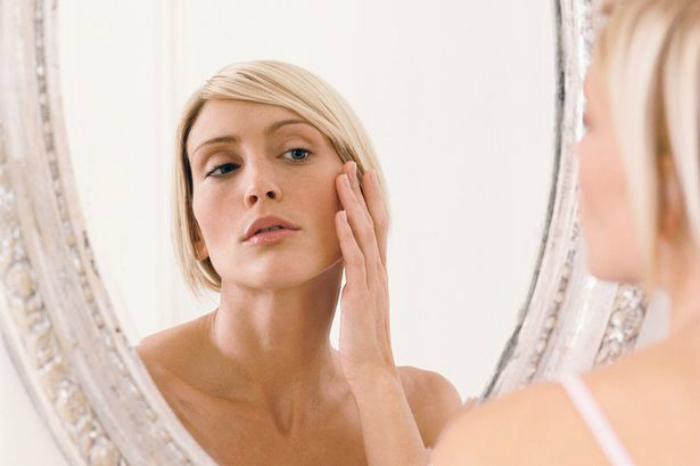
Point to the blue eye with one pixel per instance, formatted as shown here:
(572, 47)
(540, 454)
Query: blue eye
(223, 169)
(298, 154)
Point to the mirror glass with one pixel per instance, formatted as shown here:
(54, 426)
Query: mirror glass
(458, 98)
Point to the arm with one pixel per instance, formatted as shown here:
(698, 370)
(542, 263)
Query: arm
(389, 430)
(434, 401)
(391, 435)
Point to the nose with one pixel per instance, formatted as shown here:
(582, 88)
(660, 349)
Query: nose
(261, 185)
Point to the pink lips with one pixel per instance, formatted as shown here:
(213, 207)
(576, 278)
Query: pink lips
(282, 229)
(270, 237)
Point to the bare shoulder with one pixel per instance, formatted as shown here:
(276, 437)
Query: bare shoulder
(165, 351)
(433, 399)
(511, 429)
(540, 424)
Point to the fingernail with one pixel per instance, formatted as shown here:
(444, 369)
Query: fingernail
(346, 181)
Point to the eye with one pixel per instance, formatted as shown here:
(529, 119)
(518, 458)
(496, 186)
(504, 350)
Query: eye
(222, 169)
(298, 154)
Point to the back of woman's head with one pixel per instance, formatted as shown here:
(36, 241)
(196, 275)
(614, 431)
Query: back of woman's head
(272, 83)
(649, 55)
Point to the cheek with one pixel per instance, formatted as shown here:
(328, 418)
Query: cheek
(594, 193)
(203, 213)
(595, 186)
(212, 222)
(324, 203)
(605, 212)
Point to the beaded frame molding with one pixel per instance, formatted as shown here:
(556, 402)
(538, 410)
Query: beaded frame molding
(57, 322)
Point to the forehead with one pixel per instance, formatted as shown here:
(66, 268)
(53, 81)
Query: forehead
(229, 117)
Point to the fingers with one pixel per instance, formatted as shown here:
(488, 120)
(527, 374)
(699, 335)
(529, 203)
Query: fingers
(371, 200)
(360, 222)
(355, 268)
(351, 170)
(377, 210)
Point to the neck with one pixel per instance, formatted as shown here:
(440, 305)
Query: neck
(682, 282)
(275, 340)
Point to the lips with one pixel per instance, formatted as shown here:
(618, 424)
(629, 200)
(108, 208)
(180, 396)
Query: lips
(268, 223)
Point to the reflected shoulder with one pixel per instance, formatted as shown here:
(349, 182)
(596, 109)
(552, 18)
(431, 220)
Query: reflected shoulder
(433, 399)
(166, 347)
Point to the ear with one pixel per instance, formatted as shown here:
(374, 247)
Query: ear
(671, 200)
(607, 7)
(199, 246)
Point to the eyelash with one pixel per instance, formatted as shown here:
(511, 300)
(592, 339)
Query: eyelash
(296, 161)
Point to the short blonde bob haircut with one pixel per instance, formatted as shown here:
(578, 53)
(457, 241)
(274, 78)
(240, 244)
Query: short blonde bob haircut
(649, 53)
(272, 83)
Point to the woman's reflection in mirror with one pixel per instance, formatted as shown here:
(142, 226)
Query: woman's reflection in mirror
(278, 192)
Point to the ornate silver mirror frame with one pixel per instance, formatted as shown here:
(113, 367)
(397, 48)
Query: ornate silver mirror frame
(61, 332)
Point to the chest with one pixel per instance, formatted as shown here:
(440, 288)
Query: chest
(238, 435)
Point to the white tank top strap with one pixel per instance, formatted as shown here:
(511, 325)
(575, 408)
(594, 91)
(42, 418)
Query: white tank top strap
(600, 427)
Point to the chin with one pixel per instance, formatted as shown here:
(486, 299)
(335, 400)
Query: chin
(612, 269)
(270, 278)
(284, 274)
(609, 259)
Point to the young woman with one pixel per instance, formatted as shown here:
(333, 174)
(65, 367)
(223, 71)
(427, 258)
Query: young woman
(278, 191)
(639, 172)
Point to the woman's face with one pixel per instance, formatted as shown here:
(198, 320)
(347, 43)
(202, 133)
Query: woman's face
(605, 210)
(252, 160)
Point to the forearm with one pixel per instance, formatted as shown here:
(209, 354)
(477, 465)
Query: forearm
(391, 436)
(390, 432)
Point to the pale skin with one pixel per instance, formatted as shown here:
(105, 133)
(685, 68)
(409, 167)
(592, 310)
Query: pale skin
(256, 381)
(651, 397)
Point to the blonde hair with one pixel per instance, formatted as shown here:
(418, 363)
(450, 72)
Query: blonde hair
(649, 52)
(272, 83)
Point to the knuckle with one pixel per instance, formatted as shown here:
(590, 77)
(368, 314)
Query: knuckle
(356, 260)
(381, 221)
(366, 232)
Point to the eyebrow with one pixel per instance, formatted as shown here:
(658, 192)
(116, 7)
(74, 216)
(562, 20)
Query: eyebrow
(268, 131)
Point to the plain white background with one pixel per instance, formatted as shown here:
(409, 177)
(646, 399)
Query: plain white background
(458, 98)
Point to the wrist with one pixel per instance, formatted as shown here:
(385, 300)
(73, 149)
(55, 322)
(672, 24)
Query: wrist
(368, 377)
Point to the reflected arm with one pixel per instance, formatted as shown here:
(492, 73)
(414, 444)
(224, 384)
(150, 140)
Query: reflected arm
(389, 429)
